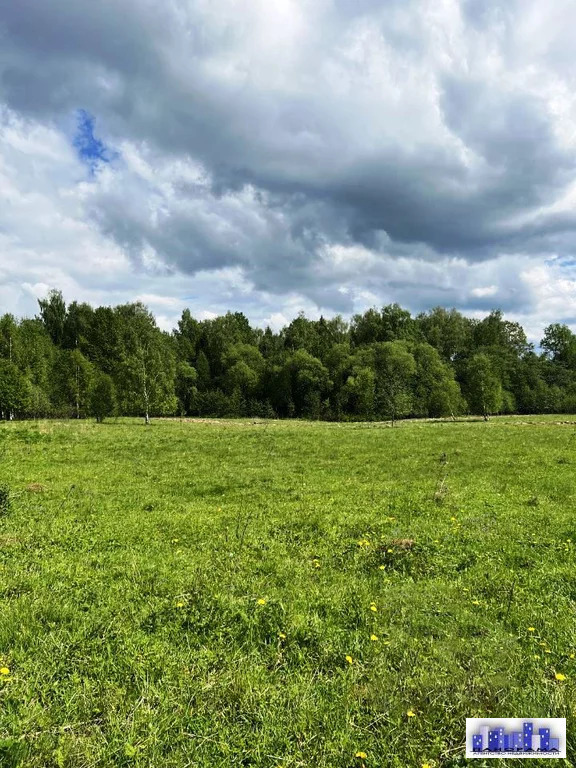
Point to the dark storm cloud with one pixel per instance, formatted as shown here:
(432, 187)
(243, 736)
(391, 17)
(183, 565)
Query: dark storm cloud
(405, 127)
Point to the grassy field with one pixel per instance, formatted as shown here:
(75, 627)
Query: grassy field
(282, 594)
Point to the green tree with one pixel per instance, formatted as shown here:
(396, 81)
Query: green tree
(484, 391)
(78, 327)
(204, 374)
(102, 397)
(8, 337)
(360, 389)
(395, 367)
(446, 330)
(14, 391)
(187, 336)
(35, 354)
(53, 315)
(559, 345)
(148, 369)
(71, 377)
(186, 389)
(310, 383)
(436, 392)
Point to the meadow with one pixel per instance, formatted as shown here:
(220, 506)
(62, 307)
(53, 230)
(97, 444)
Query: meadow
(282, 593)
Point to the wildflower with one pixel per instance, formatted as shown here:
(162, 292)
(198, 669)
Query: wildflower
(547, 650)
(542, 644)
(426, 765)
(531, 629)
(261, 601)
(410, 713)
(180, 604)
(390, 550)
(560, 676)
(281, 635)
(361, 755)
(572, 655)
(349, 659)
(373, 607)
(374, 637)
(4, 671)
(316, 563)
(175, 541)
(475, 602)
(382, 567)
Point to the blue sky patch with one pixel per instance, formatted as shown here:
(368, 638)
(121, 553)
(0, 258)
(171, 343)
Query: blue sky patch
(91, 150)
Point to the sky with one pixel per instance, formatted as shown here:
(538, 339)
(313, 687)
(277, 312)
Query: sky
(278, 156)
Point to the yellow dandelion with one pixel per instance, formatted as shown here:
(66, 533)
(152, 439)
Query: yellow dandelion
(531, 629)
(572, 655)
(547, 650)
(373, 607)
(475, 602)
(542, 644)
(374, 637)
(281, 635)
(316, 563)
(382, 567)
(180, 604)
(390, 550)
(410, 713)
(4, 671)
(536, 656)
(175, 541)
(426, 765)
(349, 659)
(261, 601)
(361, 755)
(560, 676)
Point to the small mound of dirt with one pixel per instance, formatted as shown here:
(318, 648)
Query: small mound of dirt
(400, 544)
(35, 488)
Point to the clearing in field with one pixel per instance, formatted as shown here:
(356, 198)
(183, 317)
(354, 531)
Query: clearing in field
(280, 593)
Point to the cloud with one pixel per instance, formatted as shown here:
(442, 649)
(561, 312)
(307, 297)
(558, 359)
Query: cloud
(287, 155)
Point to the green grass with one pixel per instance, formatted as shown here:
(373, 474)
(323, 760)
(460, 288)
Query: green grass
(130, 581)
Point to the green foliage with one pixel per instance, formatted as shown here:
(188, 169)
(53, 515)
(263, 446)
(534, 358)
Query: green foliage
(102, 397)
(53, 315)
(186, 387)
(14, 390)
(384, 364)
(394, 367)
(483, 387)
(72, 374)
(559, 343)
(147, 372)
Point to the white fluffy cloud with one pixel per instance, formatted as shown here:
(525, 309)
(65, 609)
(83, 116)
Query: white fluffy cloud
(270, 157)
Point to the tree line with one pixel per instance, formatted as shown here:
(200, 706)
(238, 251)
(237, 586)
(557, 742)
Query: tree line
(75, 361)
